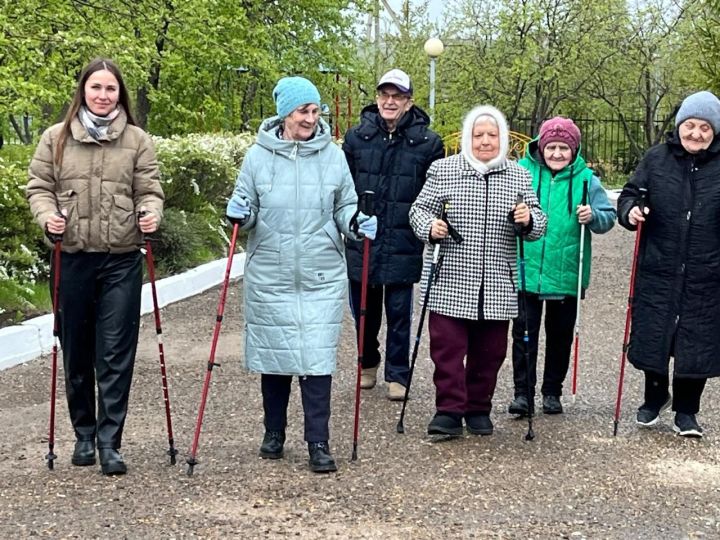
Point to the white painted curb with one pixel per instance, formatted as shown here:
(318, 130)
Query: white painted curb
(33, 338)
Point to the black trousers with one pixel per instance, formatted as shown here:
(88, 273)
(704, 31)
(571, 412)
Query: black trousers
(315, 391)
(559, 331)
(398, 312)
(686, 392)
(99, 315)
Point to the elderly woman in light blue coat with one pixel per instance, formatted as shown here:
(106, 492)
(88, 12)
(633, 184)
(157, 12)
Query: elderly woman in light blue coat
(296, 196)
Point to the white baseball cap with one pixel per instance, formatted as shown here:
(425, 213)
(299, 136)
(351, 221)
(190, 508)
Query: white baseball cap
(397, 78)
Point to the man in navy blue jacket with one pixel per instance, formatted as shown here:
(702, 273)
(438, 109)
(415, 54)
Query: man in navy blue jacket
(389, 153)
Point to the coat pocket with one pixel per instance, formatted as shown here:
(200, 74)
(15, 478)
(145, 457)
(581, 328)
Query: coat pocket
(123, 230)
(68, 201)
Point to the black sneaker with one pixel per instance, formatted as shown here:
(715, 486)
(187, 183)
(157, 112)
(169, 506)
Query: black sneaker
(272, 445)
(445, 424)
(479, 424)
(648, 415)
(686, 425)
(519, 406)
(321, 459)
(552, 405)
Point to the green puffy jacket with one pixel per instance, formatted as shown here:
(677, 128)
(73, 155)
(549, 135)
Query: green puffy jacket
(552, 262)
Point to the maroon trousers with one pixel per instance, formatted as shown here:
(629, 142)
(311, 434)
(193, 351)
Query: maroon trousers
(466, 387)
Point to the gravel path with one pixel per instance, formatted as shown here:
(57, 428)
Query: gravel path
(575, 480)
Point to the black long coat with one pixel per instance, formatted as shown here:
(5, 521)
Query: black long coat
(394, 167)
(676, 307)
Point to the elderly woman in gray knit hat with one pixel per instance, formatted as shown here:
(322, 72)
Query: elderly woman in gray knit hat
(676, 308)
(295, 196)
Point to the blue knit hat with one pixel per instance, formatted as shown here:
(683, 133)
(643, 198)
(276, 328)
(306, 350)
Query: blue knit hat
(293, 92)
(703, 106)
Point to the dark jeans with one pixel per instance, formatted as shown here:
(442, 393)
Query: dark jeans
(315, 391)
(686, 392)
(398, 312)
(559, 332)
(99, 310)
(466, 387)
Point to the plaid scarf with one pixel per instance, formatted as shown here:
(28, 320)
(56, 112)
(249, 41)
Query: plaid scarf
(97, 126)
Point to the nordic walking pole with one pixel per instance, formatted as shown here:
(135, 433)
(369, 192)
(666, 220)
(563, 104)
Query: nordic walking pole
(576, 346)
(526, 338)
(57, 241)
(434, 266)
(191, 461)
(628, 311)
(366, 206)
(172, 451)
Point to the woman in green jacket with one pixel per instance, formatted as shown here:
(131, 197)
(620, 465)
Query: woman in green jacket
(559, 176)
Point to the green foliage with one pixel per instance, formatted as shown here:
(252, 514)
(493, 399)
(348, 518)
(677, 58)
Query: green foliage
(198, 174)
(21, 256)
(179, 59)
(18, 302)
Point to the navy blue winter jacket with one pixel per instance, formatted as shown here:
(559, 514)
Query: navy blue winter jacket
(393, 165)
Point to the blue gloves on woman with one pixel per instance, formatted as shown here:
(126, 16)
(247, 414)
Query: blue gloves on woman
(366, 225)
(238, 209)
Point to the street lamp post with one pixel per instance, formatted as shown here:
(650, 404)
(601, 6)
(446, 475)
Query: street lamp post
(433, 48)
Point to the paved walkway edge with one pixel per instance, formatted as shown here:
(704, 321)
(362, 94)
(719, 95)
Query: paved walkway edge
(33, 338)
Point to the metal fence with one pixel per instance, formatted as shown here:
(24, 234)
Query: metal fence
(608, 140)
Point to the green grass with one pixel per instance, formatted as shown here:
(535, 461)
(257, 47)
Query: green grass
(21, 302)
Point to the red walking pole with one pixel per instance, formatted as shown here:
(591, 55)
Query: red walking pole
(172, 451)
(628, 312)
(366, 206)
(576, 347)
(191, 461)
(57, 239)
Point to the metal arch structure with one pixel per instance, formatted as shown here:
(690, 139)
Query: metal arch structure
(516, 150)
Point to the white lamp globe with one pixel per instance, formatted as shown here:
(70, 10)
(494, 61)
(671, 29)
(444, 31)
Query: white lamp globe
(434, 47)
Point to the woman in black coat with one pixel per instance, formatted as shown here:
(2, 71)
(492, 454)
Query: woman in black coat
(676, 308)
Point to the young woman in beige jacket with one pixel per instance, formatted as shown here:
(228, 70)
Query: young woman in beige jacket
(94, 180)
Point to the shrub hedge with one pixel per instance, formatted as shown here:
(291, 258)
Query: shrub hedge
(197, 174)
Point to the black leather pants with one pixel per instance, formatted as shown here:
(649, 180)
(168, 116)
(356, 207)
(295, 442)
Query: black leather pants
(99, 312)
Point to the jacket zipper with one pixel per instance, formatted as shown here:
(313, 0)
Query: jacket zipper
(544, 243)
(688, 218)
(481, 293)
(296, 245)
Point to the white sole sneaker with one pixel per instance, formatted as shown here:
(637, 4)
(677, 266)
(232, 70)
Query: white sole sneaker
(693, 433)
(655, 420)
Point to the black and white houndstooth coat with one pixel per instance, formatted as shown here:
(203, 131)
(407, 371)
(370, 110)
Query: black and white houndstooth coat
(476, 279)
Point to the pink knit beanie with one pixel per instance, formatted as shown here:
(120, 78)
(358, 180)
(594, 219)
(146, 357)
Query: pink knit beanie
(559, 129)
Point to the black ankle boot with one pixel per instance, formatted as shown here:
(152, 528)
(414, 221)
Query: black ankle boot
(446, 424)
(272, 445)
(84, 453)
(321, 459)
(111, 462)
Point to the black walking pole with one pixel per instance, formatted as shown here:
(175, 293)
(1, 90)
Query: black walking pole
(172, 451)
(57, 241)
(191, 461)
(434, 267)
(366, 206)
(628, 312)
(526, 338)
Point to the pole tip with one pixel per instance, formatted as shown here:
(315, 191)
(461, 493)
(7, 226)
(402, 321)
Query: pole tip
(400, 428)
(615, 428)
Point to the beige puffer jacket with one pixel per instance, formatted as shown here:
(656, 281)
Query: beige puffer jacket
(102, 186)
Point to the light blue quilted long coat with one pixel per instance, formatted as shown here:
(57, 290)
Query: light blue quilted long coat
(301, 197)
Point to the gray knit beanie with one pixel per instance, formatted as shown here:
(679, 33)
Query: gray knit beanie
(703, 106)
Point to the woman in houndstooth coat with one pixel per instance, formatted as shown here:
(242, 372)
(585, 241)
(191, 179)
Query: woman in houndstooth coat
(473, 297)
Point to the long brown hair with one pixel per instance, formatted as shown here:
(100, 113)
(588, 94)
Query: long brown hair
(97, 64)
